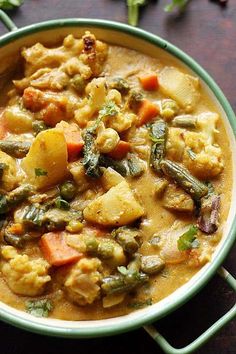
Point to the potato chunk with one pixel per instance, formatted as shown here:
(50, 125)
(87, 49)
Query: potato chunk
(176, 199)
(49, 154)
(116, 207)
(180, 87)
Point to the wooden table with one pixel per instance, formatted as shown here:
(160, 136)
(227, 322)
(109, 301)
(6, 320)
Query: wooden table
(208, 33)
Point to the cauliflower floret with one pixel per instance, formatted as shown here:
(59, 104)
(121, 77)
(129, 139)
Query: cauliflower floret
(122, 121)
(24, 276)
(96, 91)
(107, 139)
(75, 66)
(197, 149)
(206, 123)
(206, 164)
(82, 283)
(11, 176)
(175, 144)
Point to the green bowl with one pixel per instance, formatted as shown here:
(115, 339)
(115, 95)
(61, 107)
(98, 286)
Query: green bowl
(121, 34)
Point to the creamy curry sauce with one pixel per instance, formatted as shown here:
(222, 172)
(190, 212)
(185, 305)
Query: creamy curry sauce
(155, 225)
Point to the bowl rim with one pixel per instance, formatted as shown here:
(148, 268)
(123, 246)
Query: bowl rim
(127, 325)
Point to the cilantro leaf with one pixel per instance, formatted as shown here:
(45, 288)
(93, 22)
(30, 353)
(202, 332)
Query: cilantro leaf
(40, 172)
(188, 240)
(39, 308)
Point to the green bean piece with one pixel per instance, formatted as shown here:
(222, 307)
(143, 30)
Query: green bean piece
(105, 250)
(13, 240)
(68, 190)
(120, 85)
(15, 197)
(17, 149)
(185, 121)
(62, 204)
(78, 83)
(38, 126)
(135, 166)
(152, 264)
(135, 264)
(33, 216)
(116, 284)
(184, 179)
(126, 237)
(158, 135)
(118, 166)
(91, 160)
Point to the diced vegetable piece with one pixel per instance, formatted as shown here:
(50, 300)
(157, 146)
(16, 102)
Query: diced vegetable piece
(179, 86)
(116, 284)
(147, 112)
(68, 190)
(158, 135)
(160, 187)
(78, 83)
(111, 178)
(3, 128)
(91, 156)
(152, 264)
(73, 138)
(38, 126)
(127, 238)
(56, 251)
(118, 166)
(135, 99)
(121, 150)
(149, 82)
(169, 109)
(135, 166)
(14, 198)
(16, 149)
(120, 85)
(184, 179)
(188, 240)
(49, 153)
(116, 207)
(74, 226)
(10, 177)
(33, 216)
(209, 213)
(176, 199)
(17, 120)
(185, 121)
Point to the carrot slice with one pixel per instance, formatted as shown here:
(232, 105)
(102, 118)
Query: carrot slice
(121, 150)
(74, 143)
(56, 251)
(147, 112)
(149, 82)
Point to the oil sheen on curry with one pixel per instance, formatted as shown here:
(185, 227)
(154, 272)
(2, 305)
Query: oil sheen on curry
(114, 181)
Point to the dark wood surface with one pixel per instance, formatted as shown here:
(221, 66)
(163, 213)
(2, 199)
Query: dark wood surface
(207, 32)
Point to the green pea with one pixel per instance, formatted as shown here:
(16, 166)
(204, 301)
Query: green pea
(68, 190)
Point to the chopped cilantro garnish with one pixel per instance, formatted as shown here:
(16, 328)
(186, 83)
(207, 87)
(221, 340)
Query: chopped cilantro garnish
(40, 172)
(39, 308)
(188, 240)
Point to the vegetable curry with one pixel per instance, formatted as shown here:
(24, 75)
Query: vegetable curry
(114, 181)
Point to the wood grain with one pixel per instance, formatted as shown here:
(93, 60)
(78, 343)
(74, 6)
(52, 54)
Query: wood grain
(207, 32)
